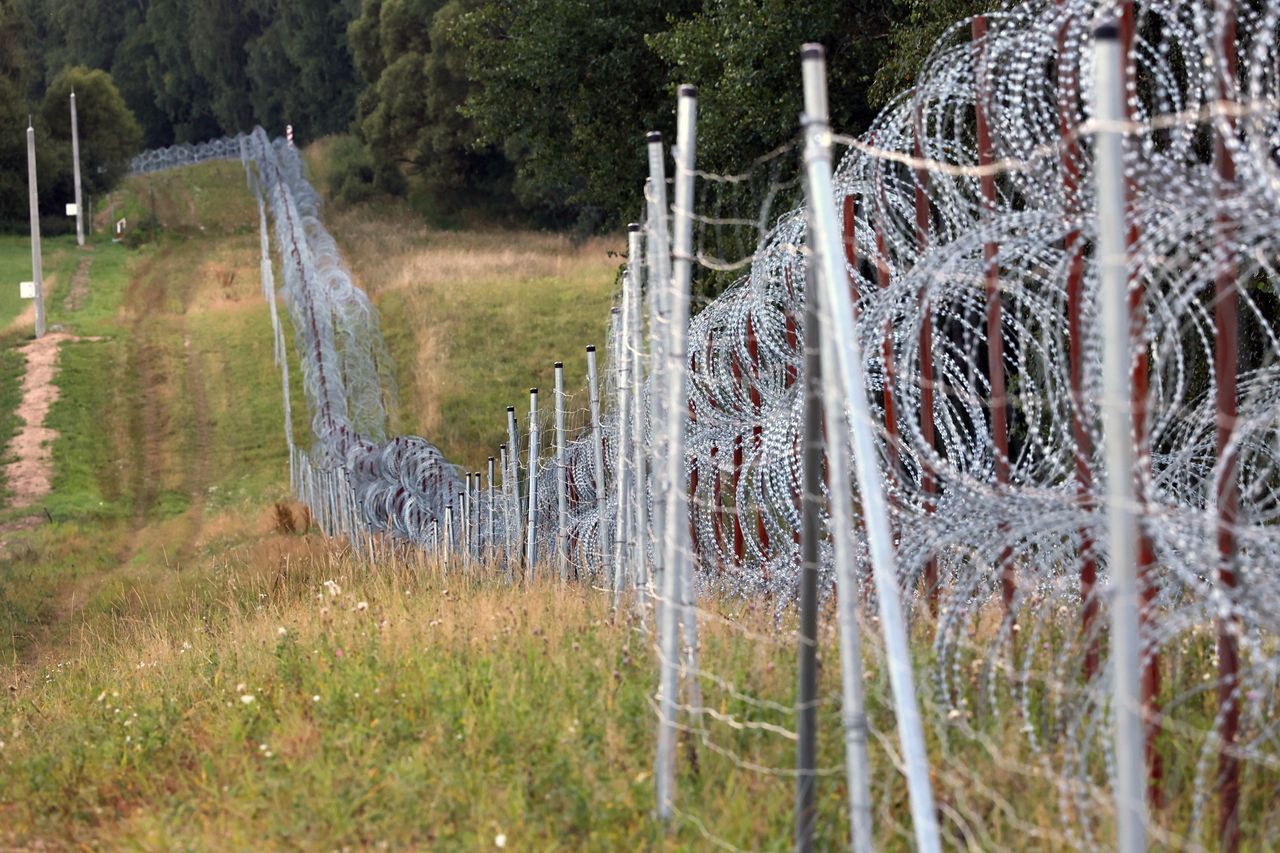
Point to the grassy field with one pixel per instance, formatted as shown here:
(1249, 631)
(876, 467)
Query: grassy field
(183, 671)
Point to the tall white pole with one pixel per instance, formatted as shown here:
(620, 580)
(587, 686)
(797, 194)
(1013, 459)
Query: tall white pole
(676, 553)
(531, 553)
(75, 169)
(562, 480)
(1117, 440)
(37, 268)
(834, 280)
(597, 461)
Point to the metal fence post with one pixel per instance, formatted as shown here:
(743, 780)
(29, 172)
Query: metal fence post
(659, 325)
(1131, 808)
(514, 534)
(562, 480)
(834, 281)
(676, 557)
(597, 462)
(491, 543)
(810, 531)
(531, 547)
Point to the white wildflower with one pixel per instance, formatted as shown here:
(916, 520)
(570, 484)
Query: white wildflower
(500, 840)
(247, 699)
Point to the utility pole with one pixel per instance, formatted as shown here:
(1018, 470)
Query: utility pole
(37, 271)
(75, 168)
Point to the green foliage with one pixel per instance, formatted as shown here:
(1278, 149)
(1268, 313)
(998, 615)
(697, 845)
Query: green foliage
(300, 68)
(743, 55)
(409, 113)
(355, 176)
(918, 26)
(533, 105)
(568, 89)
(13, 159)
(191, 71)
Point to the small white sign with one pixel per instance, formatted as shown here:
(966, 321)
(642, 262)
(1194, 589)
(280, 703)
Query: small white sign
(71, 209)
(27, 289)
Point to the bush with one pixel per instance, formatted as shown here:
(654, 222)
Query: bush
(355, 176)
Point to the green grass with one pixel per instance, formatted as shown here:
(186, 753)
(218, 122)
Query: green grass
(59, 258)
(424, 706)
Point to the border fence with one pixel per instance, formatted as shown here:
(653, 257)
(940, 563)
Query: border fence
(995, 405)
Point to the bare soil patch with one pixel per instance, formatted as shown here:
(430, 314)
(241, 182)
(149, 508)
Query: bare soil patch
(30, 473)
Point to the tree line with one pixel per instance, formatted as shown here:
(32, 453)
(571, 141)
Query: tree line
(533, 107)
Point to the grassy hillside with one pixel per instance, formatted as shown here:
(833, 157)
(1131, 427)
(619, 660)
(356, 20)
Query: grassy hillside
(475, 318)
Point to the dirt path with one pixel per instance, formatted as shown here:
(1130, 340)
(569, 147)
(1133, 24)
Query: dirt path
(79, 282)
(30, 474)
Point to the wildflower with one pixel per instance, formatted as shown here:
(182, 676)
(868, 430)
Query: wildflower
(333, 588)
(315, 698)
(240, 687)
(362, 606)
(247, 699)
(337, 652)
(282, 631)
(500, 840)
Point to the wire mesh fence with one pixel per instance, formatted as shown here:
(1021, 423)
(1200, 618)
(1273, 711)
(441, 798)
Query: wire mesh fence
(970, 467)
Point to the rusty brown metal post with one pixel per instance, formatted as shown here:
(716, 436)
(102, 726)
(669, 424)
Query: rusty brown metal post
(1068, 96)
(1225, 361)
(995, 334)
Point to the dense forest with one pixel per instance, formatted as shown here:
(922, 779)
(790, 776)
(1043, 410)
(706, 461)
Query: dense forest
(536, 107)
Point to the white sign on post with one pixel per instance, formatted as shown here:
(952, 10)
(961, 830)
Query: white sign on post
(71, 209)
(27, 289)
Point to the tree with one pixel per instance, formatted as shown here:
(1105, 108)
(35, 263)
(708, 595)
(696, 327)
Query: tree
(13, 158)
(109, 134)
(568, 89)
(300, 69)
(918, 24)
(409, 114)
(744, 57)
